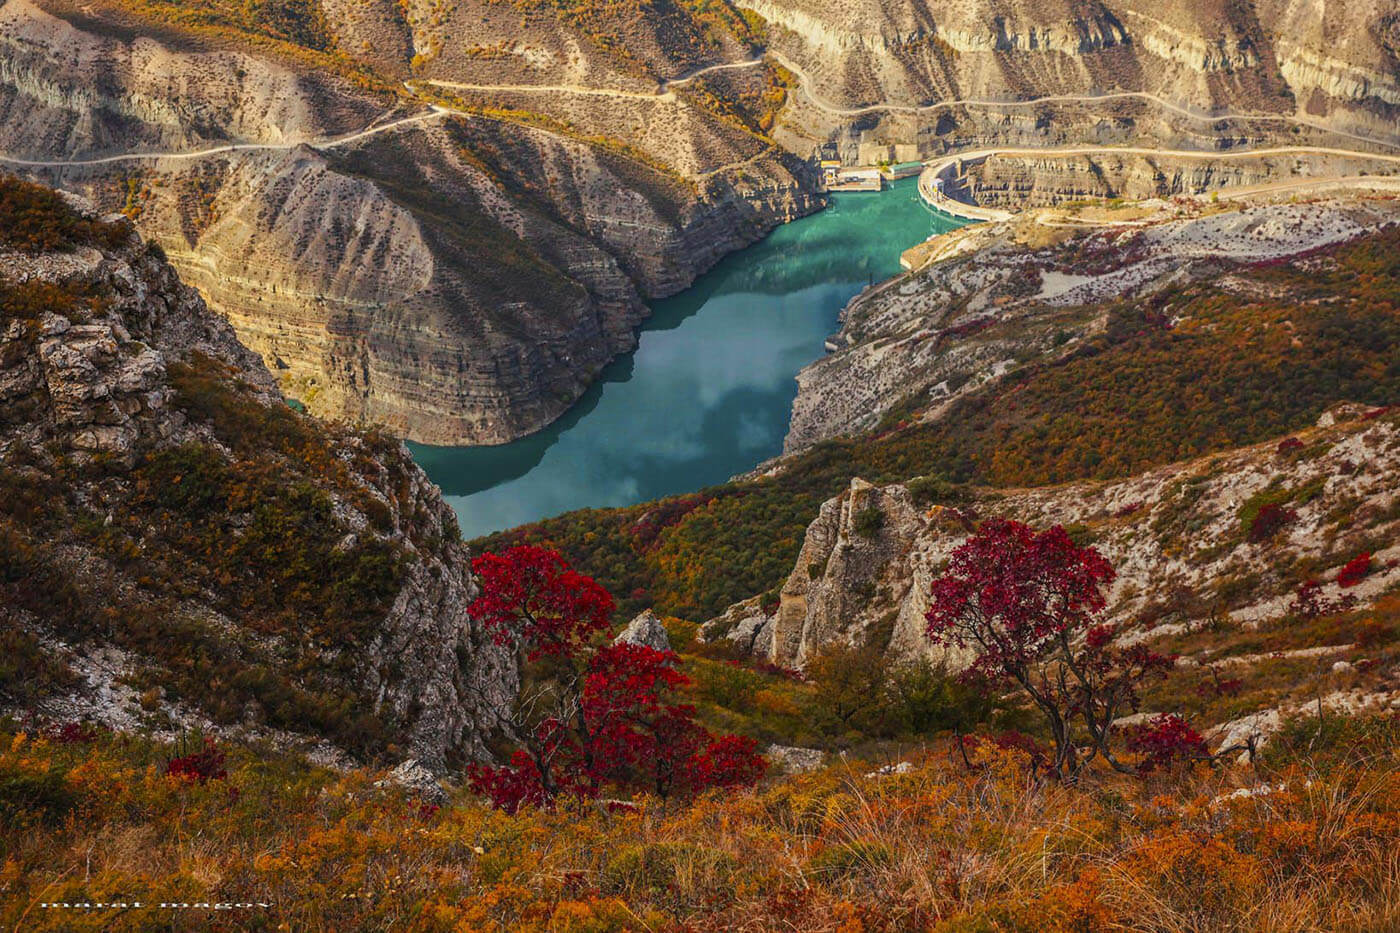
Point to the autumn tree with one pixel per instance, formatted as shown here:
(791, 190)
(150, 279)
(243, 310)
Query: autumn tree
(590, 714)
(849, 684)
(1026, 605)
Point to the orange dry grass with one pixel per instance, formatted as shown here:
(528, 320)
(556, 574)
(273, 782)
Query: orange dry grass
(939, 848)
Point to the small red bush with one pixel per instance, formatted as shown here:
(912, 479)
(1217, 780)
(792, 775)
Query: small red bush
(1271, 519)
(1165, 740)
(203, 766)
(1355, 570)
(1309, 603)
(71, 733)
(1288, 445)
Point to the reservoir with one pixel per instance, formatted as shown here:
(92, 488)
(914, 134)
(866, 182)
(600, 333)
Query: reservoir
(709, 389)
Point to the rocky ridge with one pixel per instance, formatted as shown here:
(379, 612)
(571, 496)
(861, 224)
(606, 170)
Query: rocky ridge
(987, 298)
(121, 398)
(1179, 537)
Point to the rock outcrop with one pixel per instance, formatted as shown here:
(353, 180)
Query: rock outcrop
(245, 566)
(1174, 536)
(845, 556)
(645, 630)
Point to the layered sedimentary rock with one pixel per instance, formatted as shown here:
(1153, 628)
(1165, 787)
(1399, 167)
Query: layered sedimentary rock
(459, 277)
(1291, 58)
(446, 218)
(155, 431)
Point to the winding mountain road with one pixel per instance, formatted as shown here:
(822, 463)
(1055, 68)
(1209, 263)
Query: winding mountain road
(935, 197)
(666, 93)
(663, 94)
(805, 85)
(434, 112)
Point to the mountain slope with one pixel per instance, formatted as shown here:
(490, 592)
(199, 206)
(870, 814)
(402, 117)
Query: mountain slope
(1202, 355)
(180, 548)
(458, 272)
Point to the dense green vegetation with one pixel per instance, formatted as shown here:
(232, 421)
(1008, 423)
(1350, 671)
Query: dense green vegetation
(1231, 371)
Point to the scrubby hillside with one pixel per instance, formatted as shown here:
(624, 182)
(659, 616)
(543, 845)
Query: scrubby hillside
(1159, 356)
(1305, 842)
(180, 549)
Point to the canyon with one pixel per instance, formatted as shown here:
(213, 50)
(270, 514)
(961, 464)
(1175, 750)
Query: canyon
(296, 167)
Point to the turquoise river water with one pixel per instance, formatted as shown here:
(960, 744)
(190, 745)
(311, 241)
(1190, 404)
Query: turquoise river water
(708, 391)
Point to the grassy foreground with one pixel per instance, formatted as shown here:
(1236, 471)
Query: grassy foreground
(1302, 840)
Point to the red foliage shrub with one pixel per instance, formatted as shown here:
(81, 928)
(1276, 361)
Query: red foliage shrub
(1309, 603)
(530, 598)
(1288, 445)
(203, 766)
(1165, 740)
(1272, 519)
(1027, 604)
(594, 716)
(1355, 570)
(71, 733)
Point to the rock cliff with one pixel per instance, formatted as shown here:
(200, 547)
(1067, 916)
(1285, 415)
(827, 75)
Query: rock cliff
(1181, 538)
(460, 277)
(445, 218)
(183, 550)
(1292, 59)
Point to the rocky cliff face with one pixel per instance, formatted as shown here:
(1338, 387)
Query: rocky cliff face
(988, 298)
(181, 549)
(461, 277)
(1292, 59)
(1179, 537)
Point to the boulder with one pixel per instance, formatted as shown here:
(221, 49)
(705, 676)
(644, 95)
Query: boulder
(417, 780)
(646, 629)
(794, 760)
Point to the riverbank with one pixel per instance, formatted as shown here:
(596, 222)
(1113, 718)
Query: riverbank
(708, 392)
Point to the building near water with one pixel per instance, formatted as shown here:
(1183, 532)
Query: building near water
(858, 179)
(831, 171)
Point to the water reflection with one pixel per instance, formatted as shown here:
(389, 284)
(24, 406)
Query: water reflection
(705, 396)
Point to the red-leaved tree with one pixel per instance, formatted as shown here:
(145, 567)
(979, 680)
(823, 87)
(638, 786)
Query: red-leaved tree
(1027, 606)
(590, 715)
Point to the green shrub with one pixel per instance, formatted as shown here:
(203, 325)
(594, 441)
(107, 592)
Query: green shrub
(868, 522)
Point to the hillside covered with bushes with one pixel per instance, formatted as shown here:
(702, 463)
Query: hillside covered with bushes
(1173, 375)
(181, 548)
